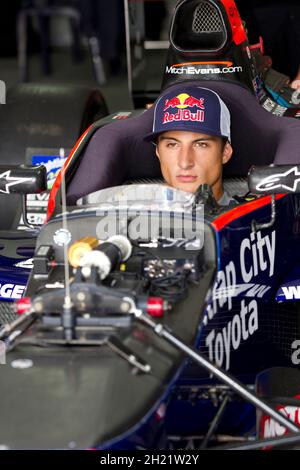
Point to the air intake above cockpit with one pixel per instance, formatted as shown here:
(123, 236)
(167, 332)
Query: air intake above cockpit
(198, 26)
(206, 19)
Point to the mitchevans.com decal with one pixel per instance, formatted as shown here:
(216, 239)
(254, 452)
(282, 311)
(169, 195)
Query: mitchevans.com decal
(202, 69)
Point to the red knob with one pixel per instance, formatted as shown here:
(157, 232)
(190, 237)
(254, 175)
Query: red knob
(23, 305)
(155, 306)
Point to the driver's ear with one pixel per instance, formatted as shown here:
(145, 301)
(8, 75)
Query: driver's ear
(227, 153)
(156, 150)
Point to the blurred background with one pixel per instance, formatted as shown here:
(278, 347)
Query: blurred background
(84, 42)
(75, 41)
(278, 23)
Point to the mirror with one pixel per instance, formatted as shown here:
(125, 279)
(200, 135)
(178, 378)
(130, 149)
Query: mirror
(18, 179)
(274, 179)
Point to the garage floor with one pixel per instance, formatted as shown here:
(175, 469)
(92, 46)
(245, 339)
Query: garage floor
(64, 70)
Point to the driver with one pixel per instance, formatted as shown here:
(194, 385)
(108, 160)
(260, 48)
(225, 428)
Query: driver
(191, 131)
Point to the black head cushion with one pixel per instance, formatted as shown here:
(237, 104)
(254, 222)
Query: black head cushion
(117, 152)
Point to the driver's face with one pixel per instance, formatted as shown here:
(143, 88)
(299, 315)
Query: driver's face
(188, 159)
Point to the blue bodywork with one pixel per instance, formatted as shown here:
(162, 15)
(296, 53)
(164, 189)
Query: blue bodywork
(244, 327)
(16, 261)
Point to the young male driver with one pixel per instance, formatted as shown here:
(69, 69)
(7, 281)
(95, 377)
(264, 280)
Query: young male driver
(191, 130)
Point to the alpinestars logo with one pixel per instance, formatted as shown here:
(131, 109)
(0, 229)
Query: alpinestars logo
(8, 181)
(287, 181)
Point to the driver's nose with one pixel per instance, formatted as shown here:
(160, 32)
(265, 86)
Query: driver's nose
(185, 158)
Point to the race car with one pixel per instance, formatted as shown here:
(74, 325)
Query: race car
(135, 285)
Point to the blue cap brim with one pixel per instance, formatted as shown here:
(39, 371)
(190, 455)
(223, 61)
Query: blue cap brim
(152, 137)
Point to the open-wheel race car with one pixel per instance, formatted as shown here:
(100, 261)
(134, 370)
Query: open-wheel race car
(154, 318)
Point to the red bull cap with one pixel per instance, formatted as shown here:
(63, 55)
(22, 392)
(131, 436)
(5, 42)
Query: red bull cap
(193, 109)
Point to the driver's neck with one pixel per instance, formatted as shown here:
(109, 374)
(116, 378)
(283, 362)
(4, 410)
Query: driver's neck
(218, 191)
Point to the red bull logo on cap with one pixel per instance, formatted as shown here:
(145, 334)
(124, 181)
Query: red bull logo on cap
(182, 102)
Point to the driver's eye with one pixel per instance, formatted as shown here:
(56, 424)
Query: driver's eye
(202, 145)
(171, 144)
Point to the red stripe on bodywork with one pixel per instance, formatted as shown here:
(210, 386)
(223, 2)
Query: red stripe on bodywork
(57, 182)
(237, 28)
(240, 211)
